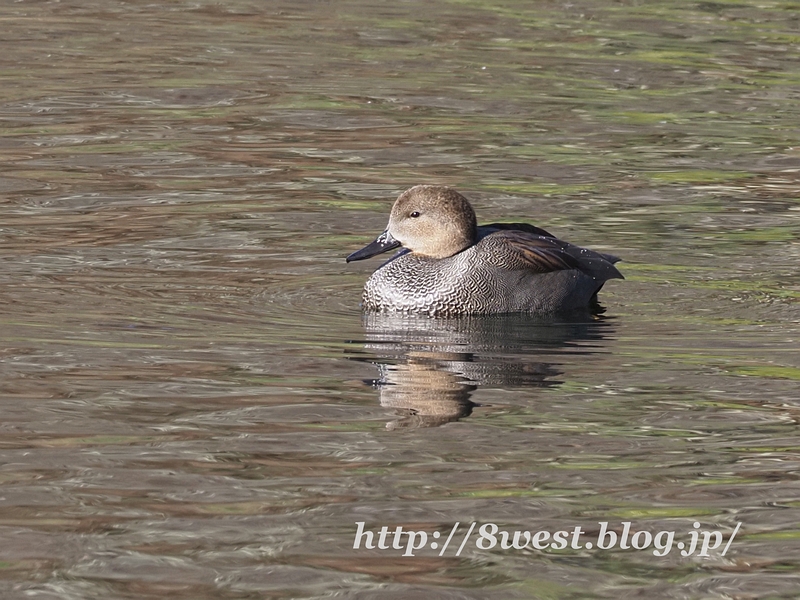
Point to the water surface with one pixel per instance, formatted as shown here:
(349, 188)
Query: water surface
(192, 403)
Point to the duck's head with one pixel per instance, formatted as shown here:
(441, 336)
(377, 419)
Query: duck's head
(429, 220)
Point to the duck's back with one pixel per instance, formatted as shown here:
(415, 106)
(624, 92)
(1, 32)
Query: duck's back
(507, 270)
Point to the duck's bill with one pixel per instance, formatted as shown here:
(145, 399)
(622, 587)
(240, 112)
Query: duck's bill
(383, 243)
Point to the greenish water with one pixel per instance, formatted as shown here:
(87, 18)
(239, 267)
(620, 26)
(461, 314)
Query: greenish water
(192, 403)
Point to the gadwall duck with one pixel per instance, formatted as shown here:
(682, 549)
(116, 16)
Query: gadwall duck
(451, 266)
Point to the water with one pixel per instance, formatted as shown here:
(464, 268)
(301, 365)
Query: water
(192, 403)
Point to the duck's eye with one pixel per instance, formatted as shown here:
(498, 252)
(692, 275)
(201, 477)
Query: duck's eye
(414, 214)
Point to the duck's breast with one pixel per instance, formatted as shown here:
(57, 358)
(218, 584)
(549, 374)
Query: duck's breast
(473, 282)
(414, 283)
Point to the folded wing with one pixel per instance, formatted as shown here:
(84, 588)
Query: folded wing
(522, 246)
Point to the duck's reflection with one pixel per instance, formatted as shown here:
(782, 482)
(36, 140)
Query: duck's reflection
(428, 368)
(425, 391)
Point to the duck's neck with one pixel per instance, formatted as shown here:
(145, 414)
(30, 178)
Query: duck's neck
(447, 243)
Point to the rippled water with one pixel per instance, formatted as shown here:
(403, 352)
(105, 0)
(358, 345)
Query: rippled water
(192, 403)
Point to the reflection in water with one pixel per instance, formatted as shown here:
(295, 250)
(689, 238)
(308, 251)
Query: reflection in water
(429, 367)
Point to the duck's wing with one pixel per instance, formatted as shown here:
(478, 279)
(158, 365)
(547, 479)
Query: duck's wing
(526, 227)
(533, 229)
(516, 249)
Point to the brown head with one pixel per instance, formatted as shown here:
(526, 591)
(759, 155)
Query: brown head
(429, 220)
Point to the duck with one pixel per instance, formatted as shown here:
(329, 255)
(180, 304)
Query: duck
(450, 266)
